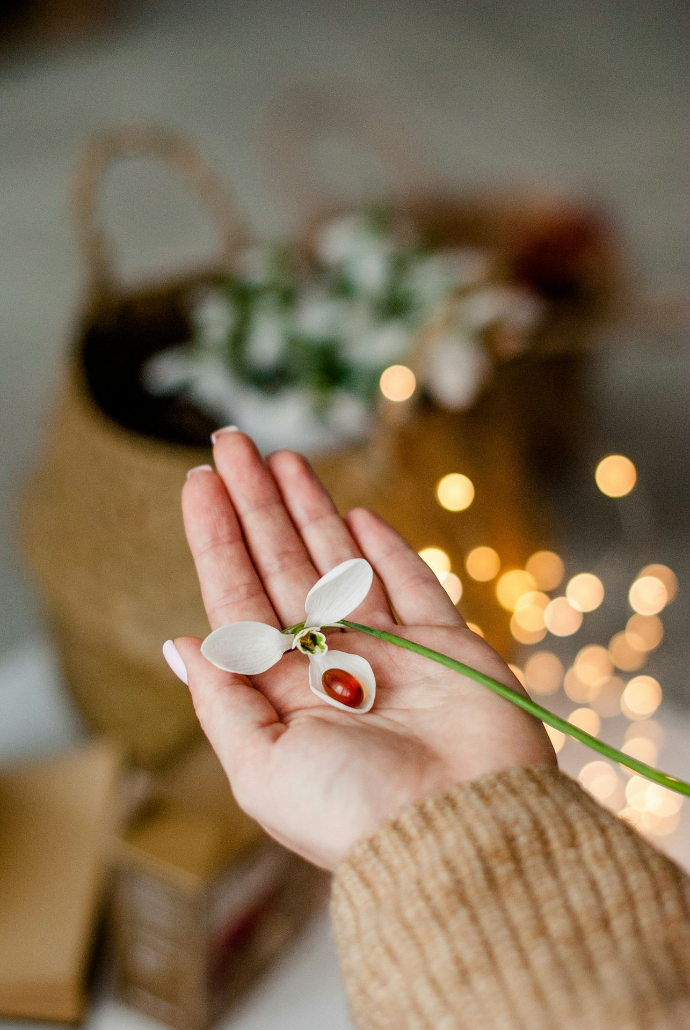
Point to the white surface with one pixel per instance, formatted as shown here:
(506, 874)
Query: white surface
(301, 992)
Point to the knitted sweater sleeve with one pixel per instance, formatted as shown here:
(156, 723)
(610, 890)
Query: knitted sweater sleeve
(513, 902)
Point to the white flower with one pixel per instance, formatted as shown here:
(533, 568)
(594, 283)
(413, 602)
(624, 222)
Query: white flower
(250, 648)
(458, 368)
(213, 316)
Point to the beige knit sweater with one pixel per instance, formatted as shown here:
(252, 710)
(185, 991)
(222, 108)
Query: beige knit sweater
(514, 901)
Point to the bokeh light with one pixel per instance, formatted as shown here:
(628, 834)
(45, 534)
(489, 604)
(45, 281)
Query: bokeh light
(436, 559)
(585, 592)
(526, 636)
(649, 728)
(452, 585)
(517, 672)
(557, 737)
(593, 665)
(644, 632)
(647, 595)
(561, 618)
(578, 689)
(455, 492)
(600, 779)
(641, 748)
(475, 628)
(623, 655)
(483, 564)
(641, 697)
(547, 569)
(615, 475)
(585, 719)
(607, 700)
(666, 575)
(529, 610)
(544, 672)
(511, 586)
(397, 383)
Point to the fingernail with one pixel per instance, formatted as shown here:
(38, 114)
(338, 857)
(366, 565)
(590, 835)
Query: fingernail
(220, 432)
(174, 660)
(199, 468)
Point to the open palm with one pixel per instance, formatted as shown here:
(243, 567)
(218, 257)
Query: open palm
(315, 777)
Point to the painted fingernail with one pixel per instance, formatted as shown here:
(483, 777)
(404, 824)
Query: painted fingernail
(174, 660)
(221, 432)
(199, 468)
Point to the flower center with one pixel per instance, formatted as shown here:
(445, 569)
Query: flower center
(311, 641)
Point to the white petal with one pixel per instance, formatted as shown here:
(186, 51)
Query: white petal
(246, 647)
(354, 664)
(338, 592)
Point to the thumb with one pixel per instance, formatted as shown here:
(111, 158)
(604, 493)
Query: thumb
(236, 717)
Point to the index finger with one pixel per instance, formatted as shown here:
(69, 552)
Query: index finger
(230, 586)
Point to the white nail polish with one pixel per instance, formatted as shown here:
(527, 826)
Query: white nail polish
(174, 660)
(199, 468)
(221, 432)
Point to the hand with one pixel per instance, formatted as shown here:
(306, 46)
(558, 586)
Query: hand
(316, 778)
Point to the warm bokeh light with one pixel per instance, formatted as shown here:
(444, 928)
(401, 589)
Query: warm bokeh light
(452, 585)
(607, 701)
(663, 802)
(644, 632)
(556, 737)
(482, 564)
(585, 719)
(636, 793)
(615, 475)
(600, 779)
(585, 592)
(666, 575)
(436, 559)
(623, 655)
(544, 672)
(647, 595)
(650, 823)
(526, 636)
(593, 665)
(475, 628)
(649, 728)
(397, 383)
(529, 611)
(517, 672)
(578, 689)
(641, 748)
(641, 697)
(561, 618)
(547, 569)
(455, 492)
(511, 586)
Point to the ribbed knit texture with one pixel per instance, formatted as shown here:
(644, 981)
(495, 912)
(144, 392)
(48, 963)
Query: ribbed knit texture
(514, 902)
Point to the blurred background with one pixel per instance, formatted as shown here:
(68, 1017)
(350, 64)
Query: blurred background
(524, 137)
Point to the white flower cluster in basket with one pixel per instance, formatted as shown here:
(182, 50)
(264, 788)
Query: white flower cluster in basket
(293, 355)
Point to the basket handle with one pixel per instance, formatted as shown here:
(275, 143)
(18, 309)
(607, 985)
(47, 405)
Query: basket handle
(310, 110)
(173, 149)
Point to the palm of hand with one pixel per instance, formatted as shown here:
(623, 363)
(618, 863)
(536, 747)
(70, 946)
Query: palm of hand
(318, 779)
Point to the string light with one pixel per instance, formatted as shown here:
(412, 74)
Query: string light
(647, 595)
(455, 492)
(526, 636)
(561, 618)
(556, 737)
(585, 719)
(397, 383)
(436, 559)
(644, 632)
(649, 728)
(543, 672)
(615, 475)
(577, 689)
(641, 748)
(641, 697)
(600, 779)
(593, 665)
(452, 585)
(585, 592)
(511, 586)
(547, 569)
(517, 672)
(607, 700)
(529, 611)
(666, 575)
(483, 564)
(475, 628)
(623, 655)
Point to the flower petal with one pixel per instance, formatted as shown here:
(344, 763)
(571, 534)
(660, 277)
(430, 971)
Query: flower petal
(246, 647)
(338, 592)
(354, 664)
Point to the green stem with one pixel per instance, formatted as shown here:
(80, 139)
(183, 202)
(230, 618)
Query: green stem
(526, 703)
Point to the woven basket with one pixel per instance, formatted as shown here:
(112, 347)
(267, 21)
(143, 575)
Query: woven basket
(100, 518)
